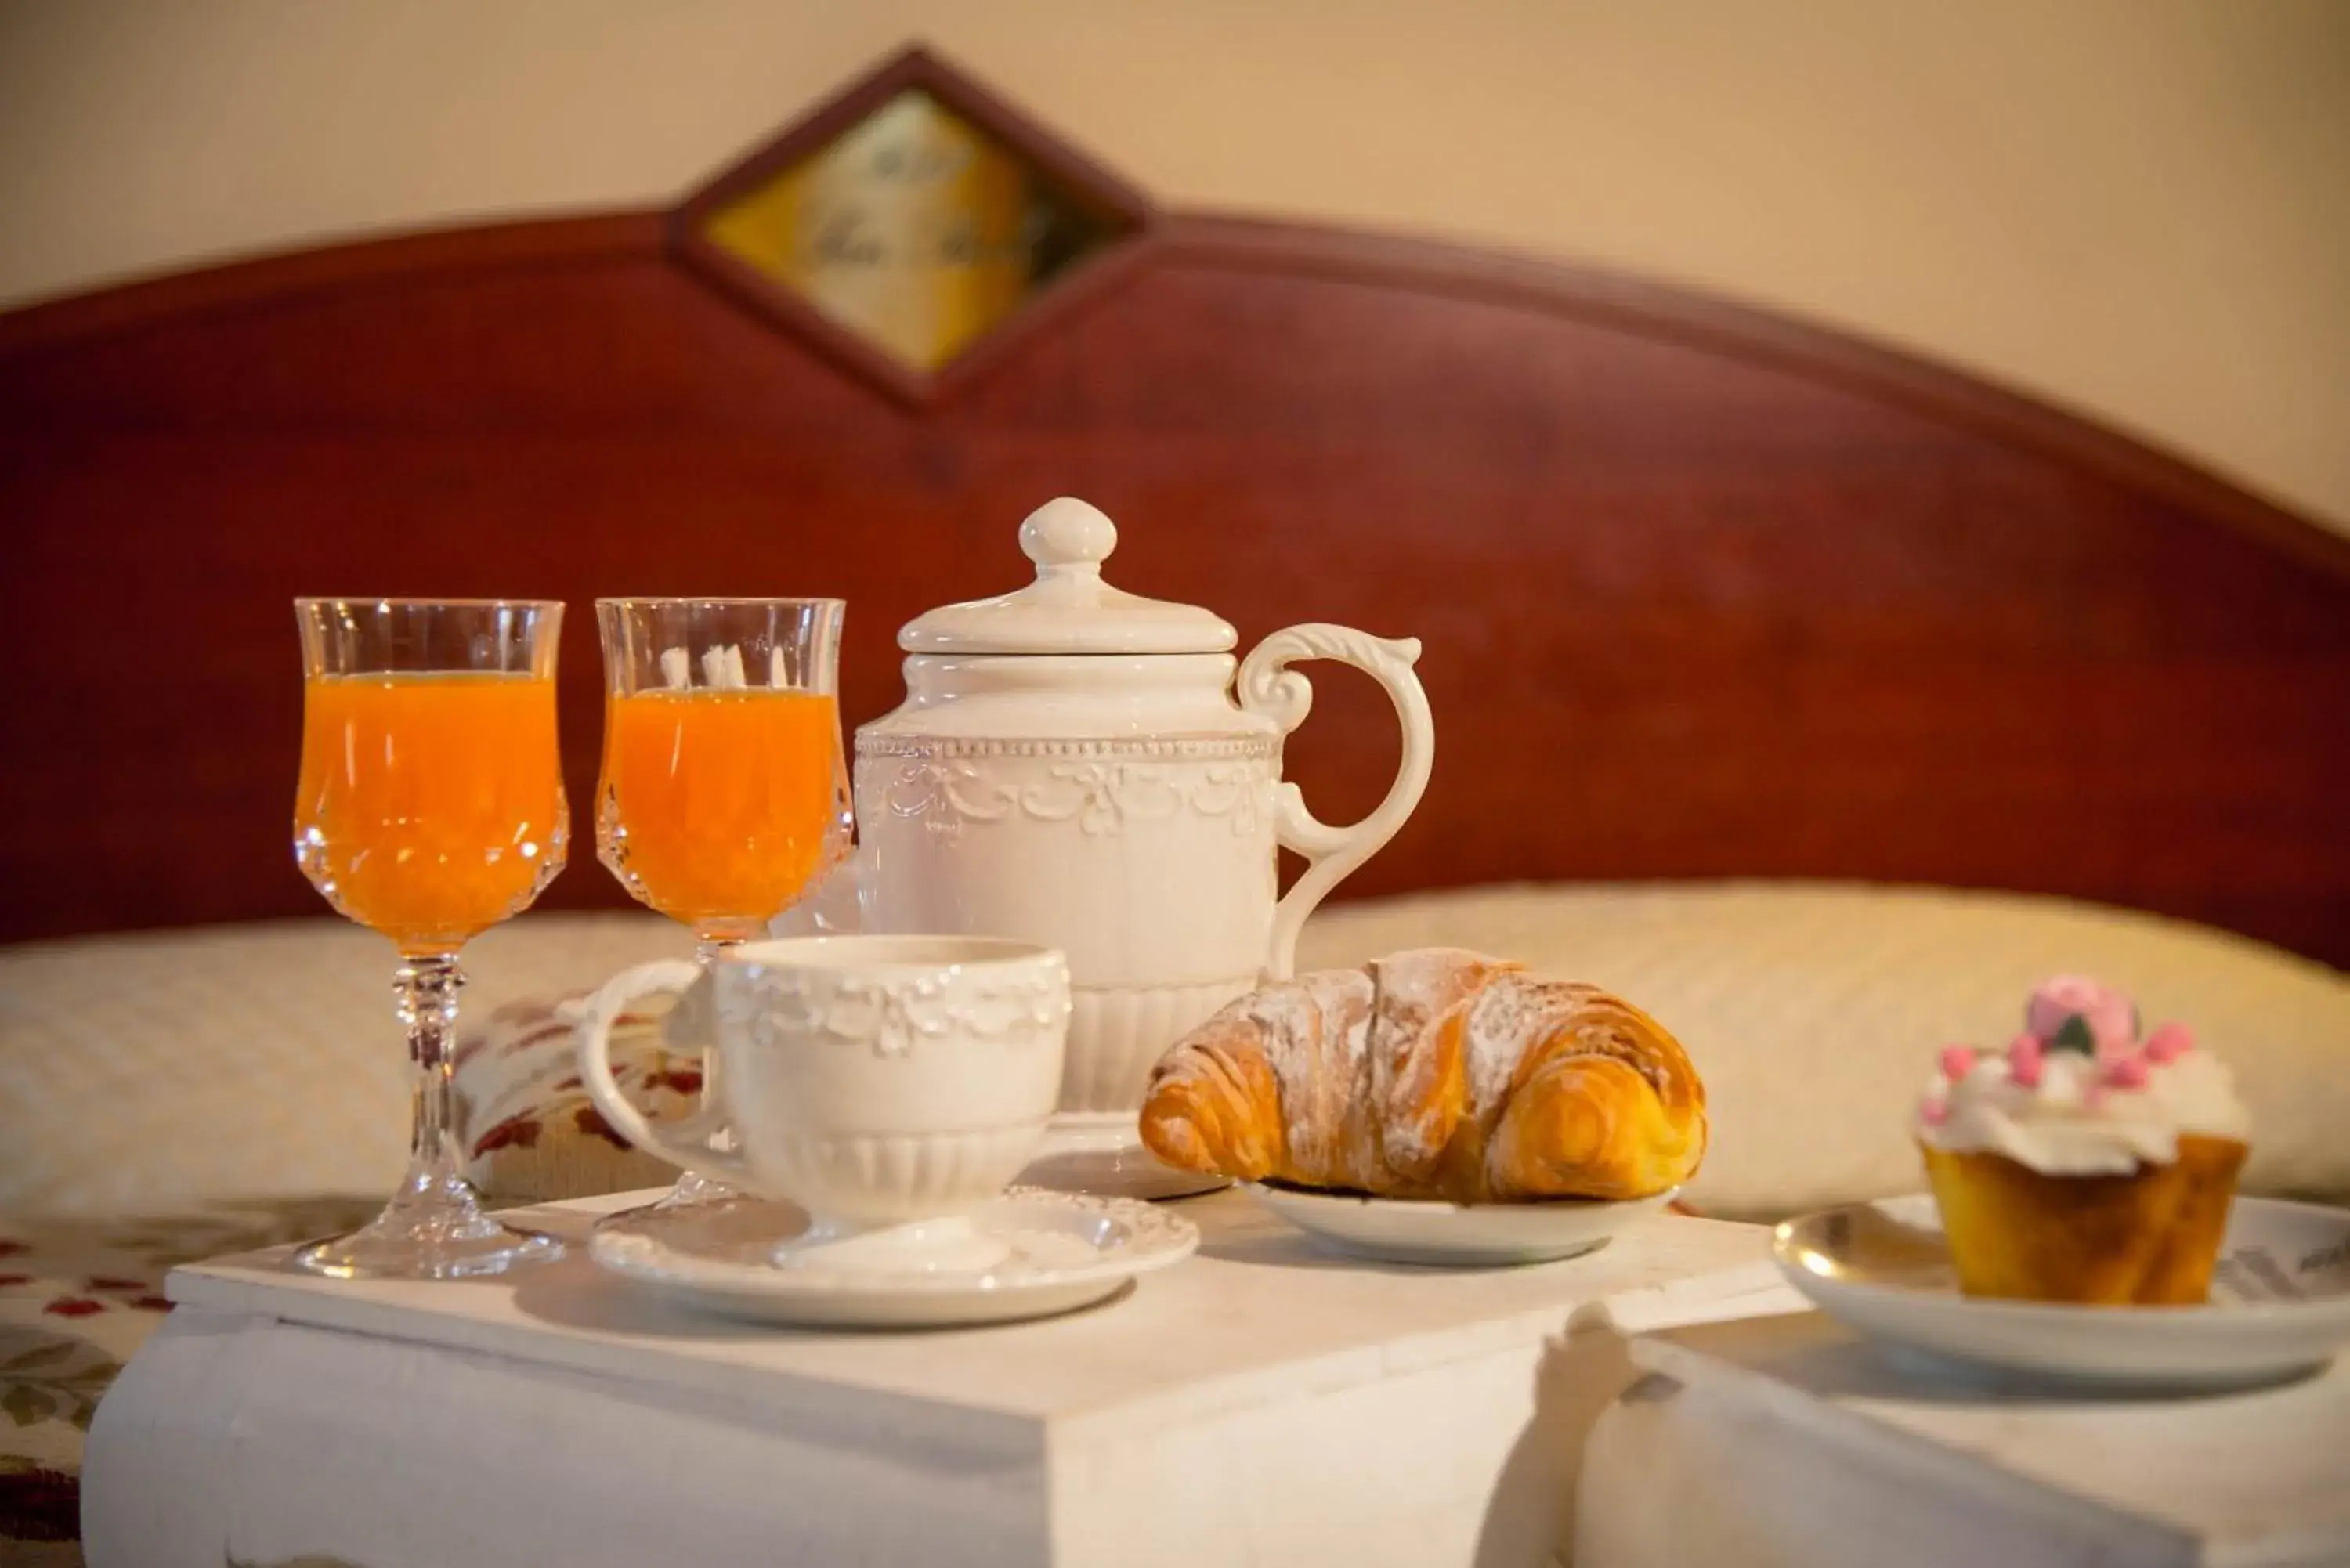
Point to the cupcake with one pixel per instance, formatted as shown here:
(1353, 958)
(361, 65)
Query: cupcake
(2083, 1163)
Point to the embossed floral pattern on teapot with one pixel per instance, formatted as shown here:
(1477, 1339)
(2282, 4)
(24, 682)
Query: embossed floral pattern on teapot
(1072, 766)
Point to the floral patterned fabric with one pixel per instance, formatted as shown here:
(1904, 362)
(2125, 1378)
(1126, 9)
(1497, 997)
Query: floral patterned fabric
(78, 1297)
(532, 1135)
(76, 1300)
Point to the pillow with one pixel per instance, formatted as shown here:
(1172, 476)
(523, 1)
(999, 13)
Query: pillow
(1814, 1010)
(531, 1133)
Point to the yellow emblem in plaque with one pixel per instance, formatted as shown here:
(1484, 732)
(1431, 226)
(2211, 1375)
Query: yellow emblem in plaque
(914, 229)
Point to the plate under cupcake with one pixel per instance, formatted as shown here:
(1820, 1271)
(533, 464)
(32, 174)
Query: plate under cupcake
(2280, 1302)
(1453, 1235)
(1065, 1252)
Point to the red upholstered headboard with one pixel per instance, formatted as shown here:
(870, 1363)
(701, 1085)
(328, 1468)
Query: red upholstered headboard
(1704, 592)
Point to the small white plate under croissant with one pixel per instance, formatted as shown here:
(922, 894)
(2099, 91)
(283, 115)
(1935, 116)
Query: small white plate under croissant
(1436, 1106)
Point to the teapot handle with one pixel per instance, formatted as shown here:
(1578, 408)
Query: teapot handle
(1269, 687)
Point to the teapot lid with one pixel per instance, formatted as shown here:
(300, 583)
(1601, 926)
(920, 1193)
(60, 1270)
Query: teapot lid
(1068, 609)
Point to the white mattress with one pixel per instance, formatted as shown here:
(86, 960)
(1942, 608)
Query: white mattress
(142, 1074)
(152, 1073)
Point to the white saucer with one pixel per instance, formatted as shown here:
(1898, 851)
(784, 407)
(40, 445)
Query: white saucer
(1102, 1152)
(1455, 1235)
(2279, 1302)
(1068, 1252)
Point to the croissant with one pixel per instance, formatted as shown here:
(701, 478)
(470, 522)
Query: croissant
(1432, 1073)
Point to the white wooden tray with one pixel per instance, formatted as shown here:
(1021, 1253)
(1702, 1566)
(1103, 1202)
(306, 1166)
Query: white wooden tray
(1264, 1402)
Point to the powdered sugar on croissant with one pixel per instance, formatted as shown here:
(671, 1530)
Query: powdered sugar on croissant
(1421, 1071)
(1272, 1073)
(1436, 1073)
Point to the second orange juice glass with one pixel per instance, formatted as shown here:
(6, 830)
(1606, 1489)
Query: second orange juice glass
(725, 794)
(722, 804)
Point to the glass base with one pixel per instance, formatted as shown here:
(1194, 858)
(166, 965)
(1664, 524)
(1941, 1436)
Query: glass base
(434, 1230)
(716, 1220)
(692, 1189)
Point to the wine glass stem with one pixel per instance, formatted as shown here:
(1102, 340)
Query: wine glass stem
(426, 987)
(434, 1228)
(706, 948)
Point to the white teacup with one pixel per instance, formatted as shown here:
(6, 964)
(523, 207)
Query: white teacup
(888, 1086)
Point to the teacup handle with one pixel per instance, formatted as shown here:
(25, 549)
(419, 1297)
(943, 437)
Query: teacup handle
(685, 1143)
(1268, 686)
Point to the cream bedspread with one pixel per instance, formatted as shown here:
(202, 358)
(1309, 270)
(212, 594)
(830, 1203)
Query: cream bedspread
(148, 1073)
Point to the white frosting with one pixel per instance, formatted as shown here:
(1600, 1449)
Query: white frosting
(2072, 1124)
(2200, 1094)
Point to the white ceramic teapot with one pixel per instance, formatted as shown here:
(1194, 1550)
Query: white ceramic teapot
(1071, 767)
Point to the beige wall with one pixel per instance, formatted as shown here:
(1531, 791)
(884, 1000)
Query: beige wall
(2140, 208)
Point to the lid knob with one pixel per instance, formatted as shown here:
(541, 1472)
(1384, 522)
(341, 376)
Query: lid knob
(1066, 536)
(1068, 609)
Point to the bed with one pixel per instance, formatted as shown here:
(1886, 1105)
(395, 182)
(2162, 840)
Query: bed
(1816, 695)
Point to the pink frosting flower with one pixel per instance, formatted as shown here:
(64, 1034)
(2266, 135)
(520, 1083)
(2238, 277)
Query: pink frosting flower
(2168, 1043)
(2127, 1073)
(2025, 1058)
(1934, 1112)
(2109, 1016)
(1957, 1061)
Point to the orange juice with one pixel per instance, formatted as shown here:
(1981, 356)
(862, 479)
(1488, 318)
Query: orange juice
(431, 806)
(715, 804)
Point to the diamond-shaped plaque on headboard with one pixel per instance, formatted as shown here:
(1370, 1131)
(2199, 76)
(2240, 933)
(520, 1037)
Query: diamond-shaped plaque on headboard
(914, 227)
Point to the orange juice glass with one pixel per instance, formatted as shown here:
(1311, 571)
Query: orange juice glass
(720, 807)
(429, 807)
(723, 798)
(430, 804)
